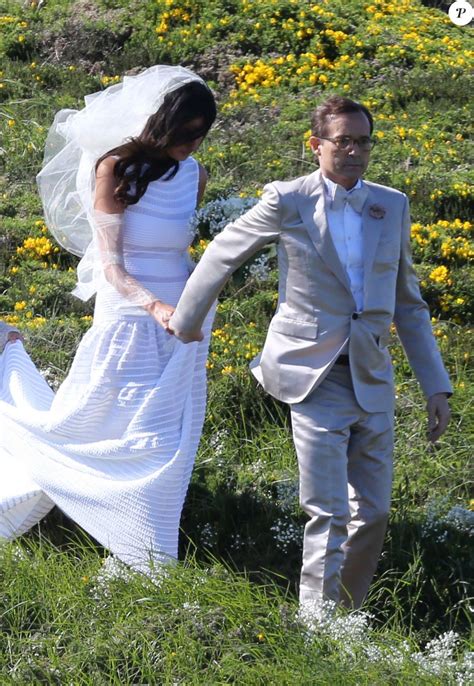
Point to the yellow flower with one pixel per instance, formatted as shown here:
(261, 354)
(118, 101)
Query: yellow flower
(12, 319)
(440, 274)
(20, 306)
(37, 247)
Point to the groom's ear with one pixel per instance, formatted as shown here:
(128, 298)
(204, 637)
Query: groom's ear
(314, 143)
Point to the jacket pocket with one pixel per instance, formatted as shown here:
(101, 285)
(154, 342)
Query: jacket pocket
(295, 327)
(388, 251)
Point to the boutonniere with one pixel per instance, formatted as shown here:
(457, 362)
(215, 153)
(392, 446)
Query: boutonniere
(377, 211)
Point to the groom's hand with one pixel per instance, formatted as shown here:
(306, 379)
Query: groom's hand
(183, 336)
(188, 337)
(438, 415)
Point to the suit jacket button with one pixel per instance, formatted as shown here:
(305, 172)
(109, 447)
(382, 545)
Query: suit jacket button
(355, 315)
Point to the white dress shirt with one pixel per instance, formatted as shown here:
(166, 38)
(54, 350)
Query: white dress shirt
(345, 226)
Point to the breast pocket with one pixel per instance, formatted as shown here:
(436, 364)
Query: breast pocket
(295, 327)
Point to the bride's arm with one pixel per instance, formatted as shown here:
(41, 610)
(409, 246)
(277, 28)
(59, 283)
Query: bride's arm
(108, 225)
(202, 183)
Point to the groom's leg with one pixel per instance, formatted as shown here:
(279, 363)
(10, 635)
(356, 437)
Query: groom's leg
(370, 480)
(321, 431)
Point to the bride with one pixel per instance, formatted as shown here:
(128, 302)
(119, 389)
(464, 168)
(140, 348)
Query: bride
(114, 448)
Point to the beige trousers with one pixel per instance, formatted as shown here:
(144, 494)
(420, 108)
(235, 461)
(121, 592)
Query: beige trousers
(345, 463)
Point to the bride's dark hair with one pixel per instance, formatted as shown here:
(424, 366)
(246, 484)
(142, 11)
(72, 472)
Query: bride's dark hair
(141, 159)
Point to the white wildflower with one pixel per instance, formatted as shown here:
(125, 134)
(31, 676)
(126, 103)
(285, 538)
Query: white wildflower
(215, 215)
(51, 378)
(461, 519)
(191, 607)
(20, 554)
(236, 542)
(217, 442)
(320, 617)
(260, 268)
(464, 671)
(440, 521)
(285, 532)
(287, 493)
(113, 568)
(208, 535)
(438, 656)
(258, 467)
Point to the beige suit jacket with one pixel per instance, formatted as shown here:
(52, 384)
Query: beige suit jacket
(315, 315)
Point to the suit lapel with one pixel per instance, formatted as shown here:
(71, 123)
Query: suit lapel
(311, 206)
(371, 230)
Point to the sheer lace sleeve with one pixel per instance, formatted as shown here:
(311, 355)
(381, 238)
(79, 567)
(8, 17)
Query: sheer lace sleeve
(108, 230)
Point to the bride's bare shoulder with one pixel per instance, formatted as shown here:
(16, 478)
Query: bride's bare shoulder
(106, 167)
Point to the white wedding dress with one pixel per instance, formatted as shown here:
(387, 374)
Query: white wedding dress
(114, 447)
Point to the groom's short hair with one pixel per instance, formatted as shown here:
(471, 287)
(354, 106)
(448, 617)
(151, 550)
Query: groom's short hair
(334, 105)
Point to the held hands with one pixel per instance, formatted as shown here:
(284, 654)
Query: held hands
(438, 415)
(186, 337)
(161, 312)
(189, 337)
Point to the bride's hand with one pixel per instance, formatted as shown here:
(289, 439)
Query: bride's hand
(161, 312)
(14, 336)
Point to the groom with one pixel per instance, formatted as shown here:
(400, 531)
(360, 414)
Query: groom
(346, 274)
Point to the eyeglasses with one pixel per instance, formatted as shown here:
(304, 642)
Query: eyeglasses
(346, 142)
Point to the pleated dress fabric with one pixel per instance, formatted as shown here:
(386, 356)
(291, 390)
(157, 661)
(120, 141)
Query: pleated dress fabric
(115, 446)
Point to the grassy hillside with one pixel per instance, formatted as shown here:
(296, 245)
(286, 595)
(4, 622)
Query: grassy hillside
(227, 614)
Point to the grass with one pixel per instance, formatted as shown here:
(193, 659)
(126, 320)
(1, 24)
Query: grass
(227, 613)
(65, 619)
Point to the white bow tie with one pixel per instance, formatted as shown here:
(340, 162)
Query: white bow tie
(355, 198)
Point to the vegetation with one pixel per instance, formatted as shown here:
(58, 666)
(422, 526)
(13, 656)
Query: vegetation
(228, 612)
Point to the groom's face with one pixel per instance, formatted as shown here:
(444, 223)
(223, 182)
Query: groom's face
(343, 166)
